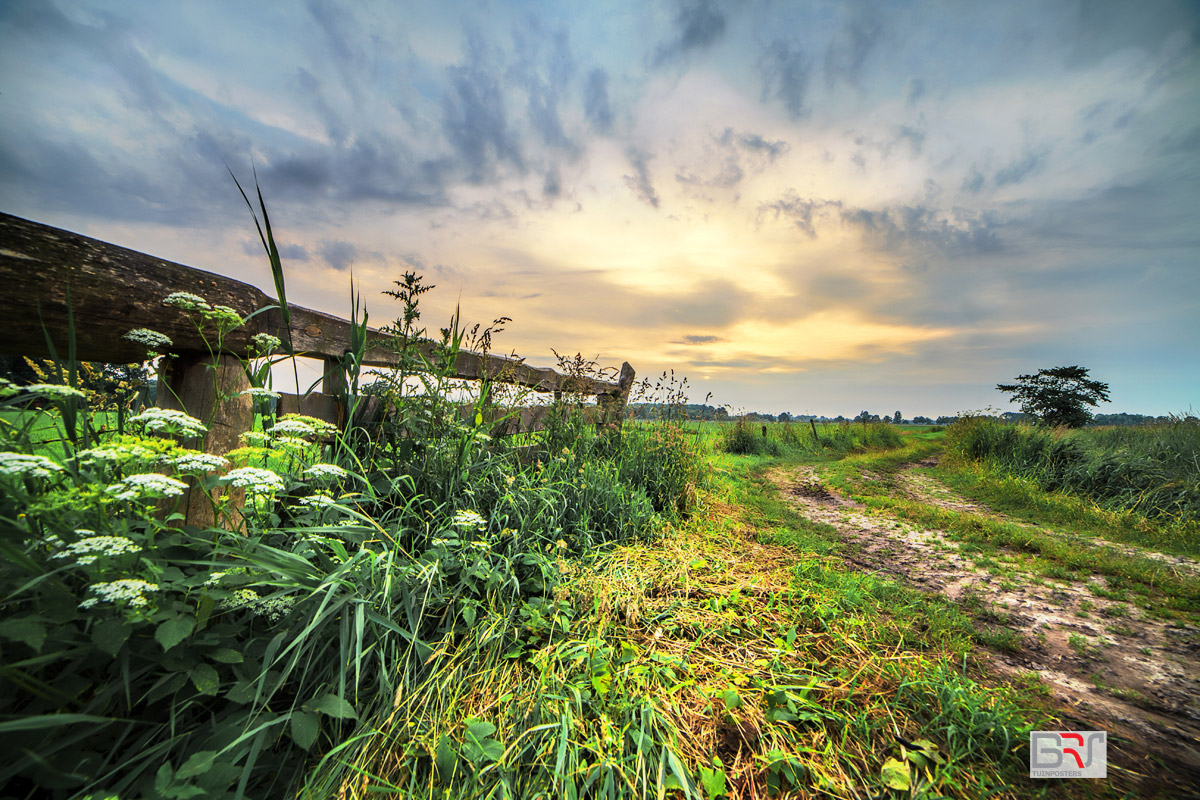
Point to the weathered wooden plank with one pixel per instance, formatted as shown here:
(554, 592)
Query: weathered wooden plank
(113, 289)
(315, 404)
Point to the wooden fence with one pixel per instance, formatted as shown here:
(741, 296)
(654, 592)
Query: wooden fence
(113, 290)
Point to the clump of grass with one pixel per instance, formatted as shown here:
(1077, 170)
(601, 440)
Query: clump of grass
(1151, 469)
(743, 437)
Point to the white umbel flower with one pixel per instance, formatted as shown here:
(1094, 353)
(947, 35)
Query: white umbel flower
(147, 486)
(322, 472)
(186, 301)
(127, 591)
(21, 465)
(151, 340)
(55, 390)
(254, 480)
(198, 462)
(468, 519)
(170, 421)
(87, 551)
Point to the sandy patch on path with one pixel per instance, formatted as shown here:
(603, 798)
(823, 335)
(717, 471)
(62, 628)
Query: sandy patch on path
(1108, 663)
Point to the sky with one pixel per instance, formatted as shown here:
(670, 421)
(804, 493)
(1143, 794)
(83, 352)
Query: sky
(818, 207)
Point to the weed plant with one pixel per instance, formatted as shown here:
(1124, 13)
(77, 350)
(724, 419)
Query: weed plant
(1151, 469)
(742, 437)
(355, 588)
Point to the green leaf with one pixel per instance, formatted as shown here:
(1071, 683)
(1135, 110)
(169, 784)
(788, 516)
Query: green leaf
(732, 699)
(305, 727)
(205, 678)
(927, 755)
(198, 764)
(602, 682)
(110, 635)
(226, 655)
(445, 759)
(479, 728)
(173, 631)
(28, 630)
(332, 706)
(713, 781)
(895, 775)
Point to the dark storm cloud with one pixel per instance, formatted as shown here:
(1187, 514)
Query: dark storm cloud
(850, 48)
(1030, 163)
(595, 101)
(698, 23)
(901, 226)
(639, 182)
(474, 118)
(800, 212)
(785, 71)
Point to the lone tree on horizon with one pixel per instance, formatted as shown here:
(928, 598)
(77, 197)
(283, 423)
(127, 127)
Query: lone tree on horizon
(1057, 396)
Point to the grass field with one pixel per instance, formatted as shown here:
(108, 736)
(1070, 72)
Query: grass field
(684, 610)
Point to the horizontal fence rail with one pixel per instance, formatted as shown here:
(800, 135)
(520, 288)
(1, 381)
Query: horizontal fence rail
(51, 279)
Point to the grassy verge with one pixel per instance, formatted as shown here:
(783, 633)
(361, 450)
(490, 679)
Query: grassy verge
(733, 656)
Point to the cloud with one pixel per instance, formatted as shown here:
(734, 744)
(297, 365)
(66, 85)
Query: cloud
(699, 25)
(552, 184)
(639, 182)
(914, 90)
(785, 72)
(474, 119)
(701, 339)
(596, 107)
(757, 144)
(287, 251)
(1028, 164)
(901, 226)
(973, 182)
(338, 254)
(544, 77)
(849, 50)
(802, 213)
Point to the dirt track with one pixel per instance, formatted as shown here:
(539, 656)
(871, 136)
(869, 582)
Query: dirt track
(1133, 675)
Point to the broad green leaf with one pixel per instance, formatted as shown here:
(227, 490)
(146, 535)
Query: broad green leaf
(198, 764)
(602, 682)
(173, 631)
(305, 727)
(895, 775)
(929, 752)
(110, 635)
(479, 728)
(732, 699)
(713, 781)
(332, 706)
(445, 759)
(205, 678)
(226, 655)
(27, 630)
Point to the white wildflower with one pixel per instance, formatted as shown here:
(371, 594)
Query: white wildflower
(147, 486)
(254, 480)
(114, 455)
(151, 340)
(186, 301)
(19, 464)
(55, 390)
(292, 441)
(127, 591)
(87, 550)
(198, 462)
(259, 393)
(318, 500)
(169, 420)
(320, 472)
(291, 427)
(265, 343)
(469, 519)
(225, 317)
(255, 439)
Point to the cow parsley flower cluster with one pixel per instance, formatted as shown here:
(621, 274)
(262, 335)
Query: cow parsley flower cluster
(273, 608)
(55, 391)
(151, 340)
(169, 421)
(147, 486)
(127, 591)
(187, 301)
(198, 462)
(259, 393)
(88, 550)
(21, 465)
(112, 454)
(325, 472)
(318, 500)
(254, 480)
(468, 519)
(265, 344)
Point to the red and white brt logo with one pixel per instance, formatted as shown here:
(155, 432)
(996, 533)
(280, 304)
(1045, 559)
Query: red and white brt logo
(1068, 754)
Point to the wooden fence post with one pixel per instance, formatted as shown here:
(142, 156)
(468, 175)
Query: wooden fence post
(210, 392)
